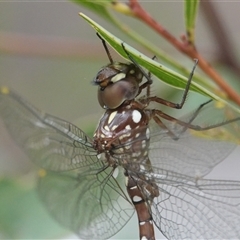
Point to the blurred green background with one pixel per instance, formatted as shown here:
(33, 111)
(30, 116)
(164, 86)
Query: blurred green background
(49, 55)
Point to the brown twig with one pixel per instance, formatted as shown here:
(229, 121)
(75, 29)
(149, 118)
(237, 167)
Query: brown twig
(220, 33)
(185, 48)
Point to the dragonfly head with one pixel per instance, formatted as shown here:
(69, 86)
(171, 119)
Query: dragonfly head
(118, 82)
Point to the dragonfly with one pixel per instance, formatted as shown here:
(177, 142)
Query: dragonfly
(140, 159)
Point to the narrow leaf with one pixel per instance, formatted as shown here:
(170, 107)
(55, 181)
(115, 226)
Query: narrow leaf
(99, 7)
(191, 8)
(163, 73)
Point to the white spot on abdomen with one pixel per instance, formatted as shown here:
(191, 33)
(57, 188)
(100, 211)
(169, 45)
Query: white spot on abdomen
(137, 199)
(136, 116)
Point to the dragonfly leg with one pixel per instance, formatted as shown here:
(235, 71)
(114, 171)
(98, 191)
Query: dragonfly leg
(195, 114)
(172, 104)
(189, 124)
(106, 48)
(147, 76)
(163, 126)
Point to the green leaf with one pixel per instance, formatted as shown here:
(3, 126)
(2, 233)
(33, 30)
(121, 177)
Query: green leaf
(163, 73)
(22, 215)
(191, 8)
(102, 9)
(99, 7)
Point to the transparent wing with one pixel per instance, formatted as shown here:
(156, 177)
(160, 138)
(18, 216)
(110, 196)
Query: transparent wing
(196, 209)
(190, 155)
(195, 153)
(89, 201)
(50, 142)
(91, 205)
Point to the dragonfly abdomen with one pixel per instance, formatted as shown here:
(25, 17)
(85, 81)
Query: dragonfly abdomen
(145, 221)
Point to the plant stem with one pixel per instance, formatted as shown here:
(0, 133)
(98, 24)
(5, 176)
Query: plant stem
(222, 37)
(185, 48)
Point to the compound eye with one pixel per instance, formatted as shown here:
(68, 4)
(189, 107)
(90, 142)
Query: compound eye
(115, 94)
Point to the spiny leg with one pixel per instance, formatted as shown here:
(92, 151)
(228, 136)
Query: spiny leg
(189, 125)
(164, 127)
(195, 114)
(169, 103)
(169, 132)
(150, 77)
(149, 80)
(106, 48)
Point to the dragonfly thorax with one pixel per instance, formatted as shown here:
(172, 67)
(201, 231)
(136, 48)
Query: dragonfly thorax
(123, 132)
(117, 82)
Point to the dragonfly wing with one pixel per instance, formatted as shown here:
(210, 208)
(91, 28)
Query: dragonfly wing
(196, 209)
(191, 155)
(50, 142)
(91, 205)
(195, 153)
